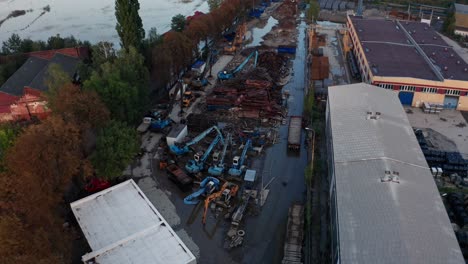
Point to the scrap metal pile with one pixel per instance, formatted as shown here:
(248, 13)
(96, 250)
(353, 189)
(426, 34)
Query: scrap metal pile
(254, 93)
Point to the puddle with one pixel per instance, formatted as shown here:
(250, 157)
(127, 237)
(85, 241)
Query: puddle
(259, 33)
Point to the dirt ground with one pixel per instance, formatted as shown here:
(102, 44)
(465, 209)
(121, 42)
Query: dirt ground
(447, 131)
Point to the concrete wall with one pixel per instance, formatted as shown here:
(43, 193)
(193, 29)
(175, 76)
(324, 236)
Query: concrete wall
(420, 97)
(463, 103)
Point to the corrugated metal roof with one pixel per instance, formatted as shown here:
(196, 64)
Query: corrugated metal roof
(122, 226)
(384, 222)
(463, 9)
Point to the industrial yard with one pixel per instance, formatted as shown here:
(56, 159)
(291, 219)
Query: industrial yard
(226, 215)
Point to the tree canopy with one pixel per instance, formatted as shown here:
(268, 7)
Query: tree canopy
(178, 23)
(116, 147)
(129, 25)
(122, 85)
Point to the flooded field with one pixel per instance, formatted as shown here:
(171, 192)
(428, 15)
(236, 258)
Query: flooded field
(86, 19)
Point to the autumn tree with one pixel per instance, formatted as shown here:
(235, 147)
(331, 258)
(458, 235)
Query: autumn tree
(81, 107)
(179, 48)
(40, 166)
(122, 85)
(129, 25)
(178, 23)
(116, 147)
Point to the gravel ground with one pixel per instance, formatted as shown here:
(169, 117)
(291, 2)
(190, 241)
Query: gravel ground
(449, 124)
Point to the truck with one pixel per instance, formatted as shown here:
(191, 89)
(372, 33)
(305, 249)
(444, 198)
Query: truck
(294, 132)
(179, 177)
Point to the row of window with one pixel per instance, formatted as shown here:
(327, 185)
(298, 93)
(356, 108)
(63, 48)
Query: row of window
(411, 88)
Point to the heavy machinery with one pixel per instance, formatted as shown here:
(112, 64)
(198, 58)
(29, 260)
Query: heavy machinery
(187, 99)
(153, 124)
(238, 162)
(225, 75)
(228, 190)
(179, 149)
(218, 169)
(238, 39)
(197, 164)
(207, 186)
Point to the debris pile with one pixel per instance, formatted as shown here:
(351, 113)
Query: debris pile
(287, 10)
(253, 99)
(275, 63)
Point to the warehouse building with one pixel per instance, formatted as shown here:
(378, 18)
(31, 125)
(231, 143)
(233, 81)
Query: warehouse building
(122, 226)
(461, 19)
(384, 204)
(411, 59)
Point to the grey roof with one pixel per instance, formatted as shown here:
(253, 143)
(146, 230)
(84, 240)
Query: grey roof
(34, 72)
(384, 222)
(23, 76)
(67, 64)
(122, 226)
(389, 48)
(463, 9)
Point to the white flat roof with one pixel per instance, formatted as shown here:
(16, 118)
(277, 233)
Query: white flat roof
(122, 226)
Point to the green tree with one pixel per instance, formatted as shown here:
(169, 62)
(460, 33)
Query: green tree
(313, 11)
(178, 23)
(8, 135)
(56, 79)
(116, 147)
(56, 42)
(12, 45)
(129, 25)
(102, 52)
(214, 4)
(122, 85)
(449, 24)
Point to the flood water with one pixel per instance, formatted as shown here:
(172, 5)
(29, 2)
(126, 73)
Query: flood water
(92, 20)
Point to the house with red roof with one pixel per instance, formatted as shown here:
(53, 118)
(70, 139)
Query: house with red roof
(22, 95)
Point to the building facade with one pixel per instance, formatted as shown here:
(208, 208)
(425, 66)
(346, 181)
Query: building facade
(384, 204)
(461, 19)
(411, 59)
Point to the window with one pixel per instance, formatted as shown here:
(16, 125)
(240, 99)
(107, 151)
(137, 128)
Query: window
(452, 92)
(386, 86)
(408, 88)
(429, 90)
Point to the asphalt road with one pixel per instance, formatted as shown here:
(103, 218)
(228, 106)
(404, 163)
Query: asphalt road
(265, 233)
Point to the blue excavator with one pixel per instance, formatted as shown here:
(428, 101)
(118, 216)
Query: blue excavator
(180, 149)
(207, 186)
(198, 163)
(225, 75)
(218, 169)
(238, 162)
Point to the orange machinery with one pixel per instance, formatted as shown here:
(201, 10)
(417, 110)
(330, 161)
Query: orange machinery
(228, 189)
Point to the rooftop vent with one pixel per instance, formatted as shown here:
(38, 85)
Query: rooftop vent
(422, 41)
(433, 53)
(445, 49)
(414, 31)
(390, 177)
(445, 68)
(451, 55)
(466, 69)
(435, 37)
(458, 62)
(373, 115)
